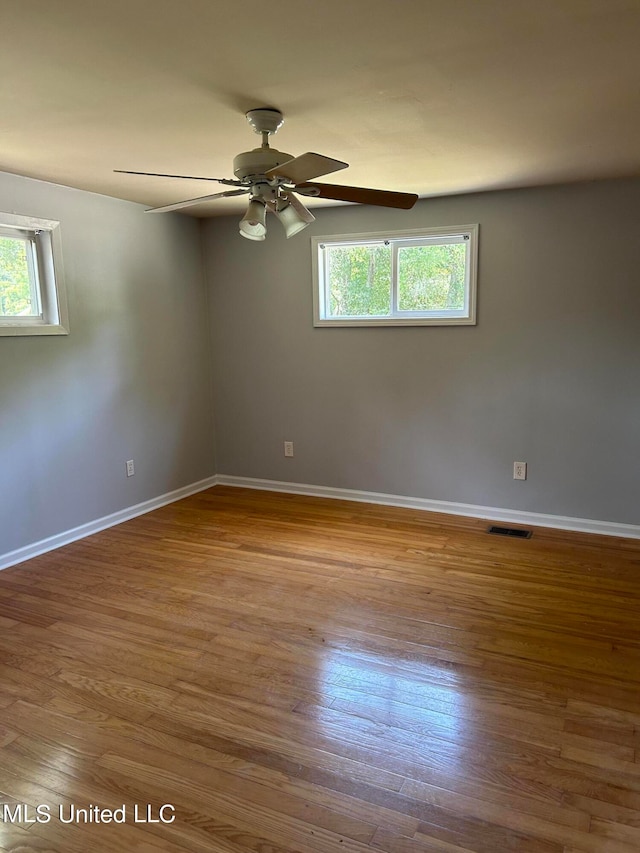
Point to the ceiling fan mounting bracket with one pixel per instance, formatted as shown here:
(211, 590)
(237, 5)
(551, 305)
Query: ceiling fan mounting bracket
(265, 120)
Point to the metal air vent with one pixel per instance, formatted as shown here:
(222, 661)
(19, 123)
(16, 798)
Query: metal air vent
(514, 532)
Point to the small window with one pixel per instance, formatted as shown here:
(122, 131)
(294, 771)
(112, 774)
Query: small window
(32, 296)
(409, 278)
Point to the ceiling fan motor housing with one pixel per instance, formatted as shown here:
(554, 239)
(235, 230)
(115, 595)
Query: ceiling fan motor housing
(258, 161)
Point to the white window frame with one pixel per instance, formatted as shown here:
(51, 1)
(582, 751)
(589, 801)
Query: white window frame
(465, 316)
(44, 256)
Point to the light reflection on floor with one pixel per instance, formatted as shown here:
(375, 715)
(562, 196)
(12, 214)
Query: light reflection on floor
(420, 709)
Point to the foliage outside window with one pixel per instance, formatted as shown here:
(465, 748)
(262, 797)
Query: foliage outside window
(425, 277)
(32, 297)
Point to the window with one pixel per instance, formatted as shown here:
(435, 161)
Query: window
(409, 278)
(32, 296)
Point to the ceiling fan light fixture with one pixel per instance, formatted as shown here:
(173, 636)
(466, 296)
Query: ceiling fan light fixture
(293, 220)
(252, 224)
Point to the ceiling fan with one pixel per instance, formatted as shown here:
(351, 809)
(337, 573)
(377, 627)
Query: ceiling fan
(273, 181)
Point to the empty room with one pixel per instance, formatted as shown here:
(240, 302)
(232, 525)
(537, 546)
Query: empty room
(319, 419)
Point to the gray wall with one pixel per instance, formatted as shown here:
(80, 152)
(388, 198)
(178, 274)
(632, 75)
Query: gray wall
(131, 381)
(550, 375)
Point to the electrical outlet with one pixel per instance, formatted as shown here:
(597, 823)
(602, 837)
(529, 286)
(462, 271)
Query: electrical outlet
(288, 448)
(519, 470)
(130, 468)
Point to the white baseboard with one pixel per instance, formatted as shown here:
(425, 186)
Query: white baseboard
(536, 519)
(67, 536)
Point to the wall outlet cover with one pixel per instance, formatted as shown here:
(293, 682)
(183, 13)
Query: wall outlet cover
(519, 470)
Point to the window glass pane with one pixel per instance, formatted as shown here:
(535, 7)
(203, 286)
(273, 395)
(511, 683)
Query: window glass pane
(16, 291)
(431, 278)
(358, 281)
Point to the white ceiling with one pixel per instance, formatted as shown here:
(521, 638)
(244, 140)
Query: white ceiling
(426, 96)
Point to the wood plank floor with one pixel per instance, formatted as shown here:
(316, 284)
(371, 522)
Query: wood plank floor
(296, 674)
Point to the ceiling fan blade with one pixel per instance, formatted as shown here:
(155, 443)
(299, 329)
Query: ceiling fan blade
(185, 177)
(359, 195)
(305, 167)
(178, 205)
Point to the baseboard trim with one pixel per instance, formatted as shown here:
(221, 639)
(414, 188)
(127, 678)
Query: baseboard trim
(535, 519)
(67, 536)
(560, 522)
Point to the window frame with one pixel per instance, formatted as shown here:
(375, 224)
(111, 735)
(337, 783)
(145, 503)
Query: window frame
(44, 258)
(420, 236)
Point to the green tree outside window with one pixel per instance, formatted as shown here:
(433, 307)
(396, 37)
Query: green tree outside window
(15, 287)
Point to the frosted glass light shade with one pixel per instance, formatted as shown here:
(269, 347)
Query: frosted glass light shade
(252, 224)
(291, 220)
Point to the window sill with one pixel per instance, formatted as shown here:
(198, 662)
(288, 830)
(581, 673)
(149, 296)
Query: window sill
(9, 330)
(396, 321)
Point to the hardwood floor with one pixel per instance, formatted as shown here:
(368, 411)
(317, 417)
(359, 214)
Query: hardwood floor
(296, 674)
